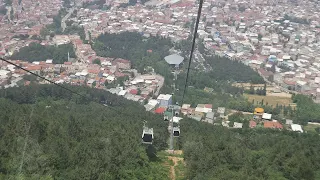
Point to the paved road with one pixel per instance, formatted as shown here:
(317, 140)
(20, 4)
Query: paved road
(87, 35)
(63, 21)
(205, 66)
(198, 60)
(9, 9)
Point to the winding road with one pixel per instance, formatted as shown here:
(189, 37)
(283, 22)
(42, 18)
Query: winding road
(63, 21)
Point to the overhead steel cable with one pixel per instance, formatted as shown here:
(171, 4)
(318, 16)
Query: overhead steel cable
(7, 61)
(74, 92)
(186, 82)
(192, 48)
(70, 90)
(27, 131)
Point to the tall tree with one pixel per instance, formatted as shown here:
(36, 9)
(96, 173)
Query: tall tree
(273, 68)
(97, 61)
(264, 91)
(251, 91)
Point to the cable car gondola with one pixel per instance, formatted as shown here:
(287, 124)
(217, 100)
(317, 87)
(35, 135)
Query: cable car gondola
(176, 131)
(147, 135)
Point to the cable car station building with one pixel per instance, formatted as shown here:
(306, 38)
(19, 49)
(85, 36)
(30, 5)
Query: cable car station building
(174, 60)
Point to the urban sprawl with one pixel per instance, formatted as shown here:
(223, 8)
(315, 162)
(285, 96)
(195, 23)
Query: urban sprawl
(278, 39)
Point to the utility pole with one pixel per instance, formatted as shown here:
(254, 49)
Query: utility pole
(171, 133)
(172, 110)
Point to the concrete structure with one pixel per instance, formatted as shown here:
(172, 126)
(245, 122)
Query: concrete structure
(258, 112)
(174, 59)
(221, 110)
(289, 122)
(237, 125)
(296, 127)
(61, 39)
(164, 100)
(266, 116)
(176, 119)
(209, 117)
(122, 63)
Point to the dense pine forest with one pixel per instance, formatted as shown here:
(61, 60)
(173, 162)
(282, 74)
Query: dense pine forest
(151, 51)
(225, 69)
(38, 52)
(48, 133)
(218, 153)
(141, 51)
(307, 111)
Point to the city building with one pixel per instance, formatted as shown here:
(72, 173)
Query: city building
(164, 100)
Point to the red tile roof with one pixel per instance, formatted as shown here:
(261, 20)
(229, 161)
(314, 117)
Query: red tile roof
(264, 72)
(27, 83)
(93, 71)
(252, 124)
(119, 60)
(67, 63)
(119, 74)
(20, 71)
(34, 68)
(133, 91)
(288, 82)
(271, 124)
(160, 110)
(182, 4)
(208, 105)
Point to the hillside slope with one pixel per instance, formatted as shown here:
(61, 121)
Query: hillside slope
(48, 133)
(213, 152)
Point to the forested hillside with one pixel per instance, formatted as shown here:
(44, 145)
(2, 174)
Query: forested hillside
(225, 69)
(141, 51)
(38, 52)
(133, 46)
(48, 133)
(218, 153)
(307, 110)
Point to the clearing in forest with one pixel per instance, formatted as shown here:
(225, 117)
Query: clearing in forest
(176, 164)
(312, 127)
(270, 100)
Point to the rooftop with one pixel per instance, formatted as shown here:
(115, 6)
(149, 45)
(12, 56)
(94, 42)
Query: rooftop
(252, 124)
(164, 97)
(266, 116)
(272, 124)
(237, 125)
(160, 110)
(296, 127)
(174, 59)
